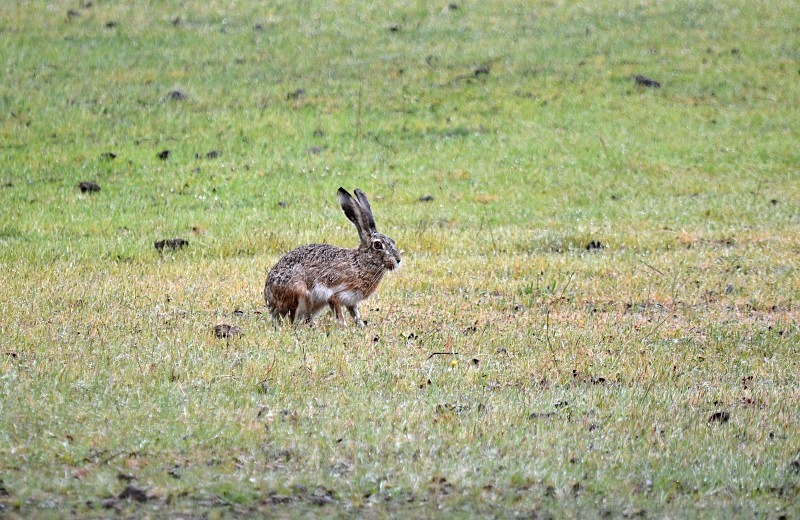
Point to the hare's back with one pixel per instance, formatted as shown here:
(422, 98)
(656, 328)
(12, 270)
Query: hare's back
(309, 262)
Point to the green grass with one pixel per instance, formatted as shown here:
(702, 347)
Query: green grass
(568, 383)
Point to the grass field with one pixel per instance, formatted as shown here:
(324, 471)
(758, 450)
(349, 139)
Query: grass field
(597, 313)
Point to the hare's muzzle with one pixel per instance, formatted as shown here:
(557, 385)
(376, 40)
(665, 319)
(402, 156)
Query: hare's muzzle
(393, 262)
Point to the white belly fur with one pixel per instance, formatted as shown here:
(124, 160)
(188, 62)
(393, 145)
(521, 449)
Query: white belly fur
(320, 295)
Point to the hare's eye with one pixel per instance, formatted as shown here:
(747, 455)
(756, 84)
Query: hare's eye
(378, 245)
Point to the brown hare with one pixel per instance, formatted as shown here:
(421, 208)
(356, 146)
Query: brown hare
(311, 277)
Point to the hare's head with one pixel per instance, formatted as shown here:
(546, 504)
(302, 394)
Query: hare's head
(376, 248)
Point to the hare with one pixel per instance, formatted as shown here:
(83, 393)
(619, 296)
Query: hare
(310, 277)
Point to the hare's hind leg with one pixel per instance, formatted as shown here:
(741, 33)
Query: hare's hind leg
(280, 303)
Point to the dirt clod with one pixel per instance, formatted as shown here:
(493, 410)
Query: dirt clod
(321, 497)
(177, 95)
(213, 154)
(296, 94)
(720, 416)
(171, 243)
(88, 187)
(134, 493)
(483, 70)
(646, 82)
(225, 331)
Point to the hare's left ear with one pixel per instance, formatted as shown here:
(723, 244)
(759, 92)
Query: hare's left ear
(354, 212)
(365, 209)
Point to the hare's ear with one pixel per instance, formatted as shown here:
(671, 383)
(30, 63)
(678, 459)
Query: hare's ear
(352, 209)
(365, 209)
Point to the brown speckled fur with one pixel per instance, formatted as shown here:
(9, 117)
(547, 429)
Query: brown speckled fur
(308, 278)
